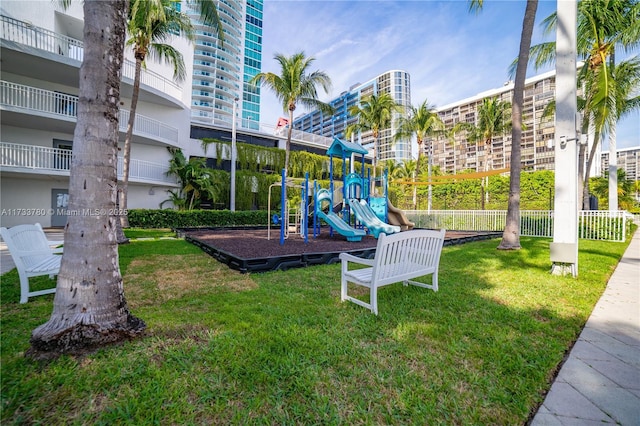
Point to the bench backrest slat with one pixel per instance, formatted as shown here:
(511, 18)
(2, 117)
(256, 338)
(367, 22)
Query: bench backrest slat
(28, 244)
(406, 253)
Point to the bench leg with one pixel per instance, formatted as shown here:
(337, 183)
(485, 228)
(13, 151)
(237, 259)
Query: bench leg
(24, 287)
(373, 299)
(26, 293)
(343, 284)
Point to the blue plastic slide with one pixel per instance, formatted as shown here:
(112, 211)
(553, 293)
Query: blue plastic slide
(336, 221)
(368, 217)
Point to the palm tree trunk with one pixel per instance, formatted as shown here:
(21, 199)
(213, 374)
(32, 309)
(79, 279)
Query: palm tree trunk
(581, 161)
(89, 308)
(287, 148)
(126, 155)
(587, 172)
(414, 197)
(613, 169)
(483, 181)
(511, 234)
(375, 154)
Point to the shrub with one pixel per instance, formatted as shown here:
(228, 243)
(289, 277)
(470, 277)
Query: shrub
(166, 218)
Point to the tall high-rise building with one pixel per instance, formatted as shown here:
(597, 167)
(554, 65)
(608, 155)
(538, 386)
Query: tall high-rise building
(628, 159)
(455, 153)
(42, 49)
(221, 70)
(396, 83)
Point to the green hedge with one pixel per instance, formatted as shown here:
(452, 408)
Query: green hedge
(167, 218)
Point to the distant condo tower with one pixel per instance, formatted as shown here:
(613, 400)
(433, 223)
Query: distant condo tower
(396, 83)
(221, 70)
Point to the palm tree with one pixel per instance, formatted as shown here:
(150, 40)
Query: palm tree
(195, 181)
(424, 122)
(602, 25)
(605, 29)
(493, 119)
(89, 308)
(407, 170)
(295, 86)
(394, 170)
(606, 103)
(600, 187)
(511, 233)
(374, 114)
(151, 25)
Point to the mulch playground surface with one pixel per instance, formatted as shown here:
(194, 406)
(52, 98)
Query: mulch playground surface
(254, 250)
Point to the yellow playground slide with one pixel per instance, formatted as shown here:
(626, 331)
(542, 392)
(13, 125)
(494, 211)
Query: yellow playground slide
(398, 218)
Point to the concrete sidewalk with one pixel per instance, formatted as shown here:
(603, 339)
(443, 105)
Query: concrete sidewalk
(600, 381)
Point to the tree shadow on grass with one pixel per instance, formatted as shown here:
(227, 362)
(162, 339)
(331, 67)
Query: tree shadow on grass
(481, 350)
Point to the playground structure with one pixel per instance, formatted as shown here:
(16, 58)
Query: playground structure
(372, 212)
(358, 208)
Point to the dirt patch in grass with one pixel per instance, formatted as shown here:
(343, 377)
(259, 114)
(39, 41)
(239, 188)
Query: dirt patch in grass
(176, 276)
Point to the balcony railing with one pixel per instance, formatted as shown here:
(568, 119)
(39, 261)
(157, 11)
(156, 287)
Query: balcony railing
(43, 39)
(63, 105)
(225, 120)
(44, 159)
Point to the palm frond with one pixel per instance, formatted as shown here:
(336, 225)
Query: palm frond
(169, 55)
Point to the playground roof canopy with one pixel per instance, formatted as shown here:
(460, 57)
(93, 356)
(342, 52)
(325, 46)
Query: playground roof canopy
(345, 149)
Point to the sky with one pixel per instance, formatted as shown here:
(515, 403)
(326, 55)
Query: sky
(450, 53)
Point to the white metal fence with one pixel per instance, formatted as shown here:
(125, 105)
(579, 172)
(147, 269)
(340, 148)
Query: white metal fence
(592, 225)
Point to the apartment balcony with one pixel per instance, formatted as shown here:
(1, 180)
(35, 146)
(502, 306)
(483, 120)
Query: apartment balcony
(57, 111)
(44, 161)
(45, 55)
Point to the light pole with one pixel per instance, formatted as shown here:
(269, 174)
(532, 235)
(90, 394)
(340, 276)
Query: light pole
(232, 198)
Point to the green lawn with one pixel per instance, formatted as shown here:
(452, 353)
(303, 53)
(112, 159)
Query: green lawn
(280, 347)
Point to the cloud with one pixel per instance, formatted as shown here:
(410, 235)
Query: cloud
(449, 53)
(335, 47)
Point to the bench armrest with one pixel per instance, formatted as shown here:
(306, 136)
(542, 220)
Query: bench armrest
(54, 245)
(354, 259)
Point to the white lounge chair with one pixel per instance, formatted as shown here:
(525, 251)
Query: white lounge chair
(33, 256)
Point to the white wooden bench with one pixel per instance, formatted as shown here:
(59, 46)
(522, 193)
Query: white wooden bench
(399, 258)
(33, 256)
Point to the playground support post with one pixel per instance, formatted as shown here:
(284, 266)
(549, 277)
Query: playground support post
(304, 217)
(283, 205)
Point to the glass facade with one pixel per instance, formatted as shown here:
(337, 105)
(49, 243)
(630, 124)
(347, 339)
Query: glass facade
(221, 70)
